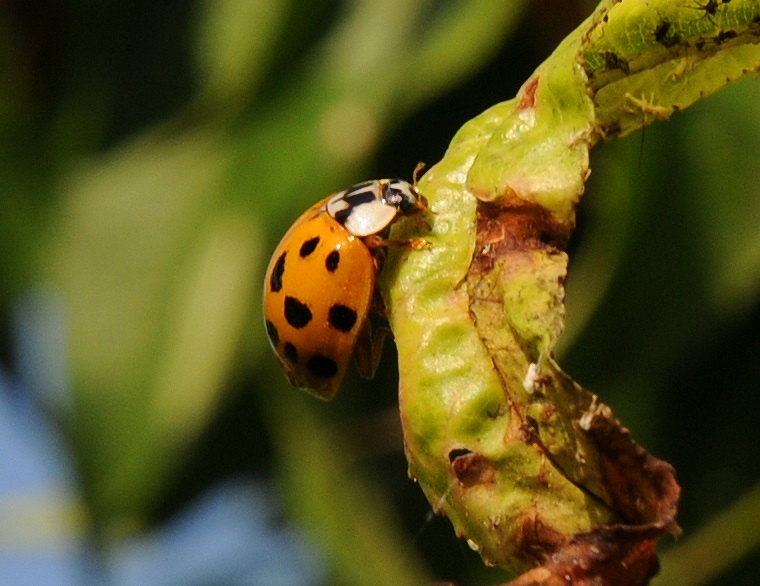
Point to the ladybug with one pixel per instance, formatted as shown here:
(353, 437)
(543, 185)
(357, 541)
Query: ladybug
(320, 283)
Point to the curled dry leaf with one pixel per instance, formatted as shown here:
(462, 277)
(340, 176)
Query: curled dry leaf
(569, 429)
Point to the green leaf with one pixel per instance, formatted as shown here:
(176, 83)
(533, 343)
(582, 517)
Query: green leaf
(156, 274)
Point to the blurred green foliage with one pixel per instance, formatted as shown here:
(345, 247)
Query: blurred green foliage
(152, 154)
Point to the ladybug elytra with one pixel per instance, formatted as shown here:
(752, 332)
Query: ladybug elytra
(320, 283)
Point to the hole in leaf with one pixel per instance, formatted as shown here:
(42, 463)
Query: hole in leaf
(458, 453)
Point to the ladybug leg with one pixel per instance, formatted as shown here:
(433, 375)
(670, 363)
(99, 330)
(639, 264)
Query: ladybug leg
(373, 241)
(369, 349)
(421, 220)
(378, 306)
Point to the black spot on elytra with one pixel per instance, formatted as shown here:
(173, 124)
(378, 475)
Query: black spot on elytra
(290, 352)
(332, 261)
(308, 247)
(322, 366)
(341, 317)
(272, 332)
(275, 279)
(297, 314)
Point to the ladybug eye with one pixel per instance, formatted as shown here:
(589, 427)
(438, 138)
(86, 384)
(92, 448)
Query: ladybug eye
(409, 205)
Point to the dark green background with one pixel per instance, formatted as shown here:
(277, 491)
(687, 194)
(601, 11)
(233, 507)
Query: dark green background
(663, 293)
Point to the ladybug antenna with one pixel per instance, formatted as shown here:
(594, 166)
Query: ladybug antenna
(420, 166)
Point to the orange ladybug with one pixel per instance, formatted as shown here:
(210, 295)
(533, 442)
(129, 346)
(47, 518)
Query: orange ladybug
(320, 283)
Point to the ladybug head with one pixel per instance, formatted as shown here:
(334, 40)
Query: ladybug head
(404, 196)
